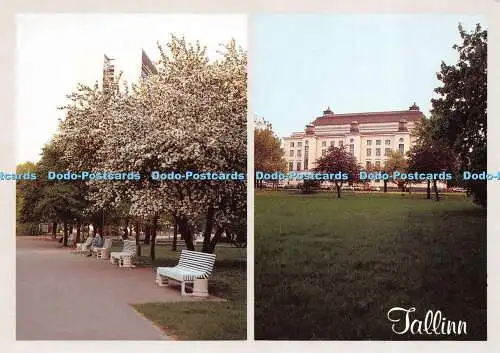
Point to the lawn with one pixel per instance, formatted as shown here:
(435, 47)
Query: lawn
(330, 269)
(203, 320)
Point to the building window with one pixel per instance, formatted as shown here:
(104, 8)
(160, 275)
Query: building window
(402, 126)
(306, 156)
(323, 152)
(332, 143)
(323, 144)
(387, 142)
(368, 152)
(298, 166)
(299, 144)
(290, 166)
(341, 143)
(352, 140)
(291, 153)
(402, 148)
(377, 152)
(377, 163)
(291, 144)
(378, 142)
(306, 142)
(401, 140)
(387, 152)
(351, 149)
(299, 153)
(368, 164)
(368, 142)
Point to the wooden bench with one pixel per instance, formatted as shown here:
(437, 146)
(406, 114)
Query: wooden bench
(81, 248)
(103, 253)
(124, 257)
(192, 266)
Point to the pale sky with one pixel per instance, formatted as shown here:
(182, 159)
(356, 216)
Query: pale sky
(301, 64)
(55, 52)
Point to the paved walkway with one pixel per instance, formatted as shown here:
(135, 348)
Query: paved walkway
(62, 296)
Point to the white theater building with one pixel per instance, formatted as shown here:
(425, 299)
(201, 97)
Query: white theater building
(368, 136)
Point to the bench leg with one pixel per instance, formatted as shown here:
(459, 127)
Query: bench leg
(183, 288)
(126, 261)
(162, 282)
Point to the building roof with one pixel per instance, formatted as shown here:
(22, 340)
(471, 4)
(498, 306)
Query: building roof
(330, 118)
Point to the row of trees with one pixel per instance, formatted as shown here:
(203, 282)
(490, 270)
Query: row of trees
(452, 139)
(191, 116)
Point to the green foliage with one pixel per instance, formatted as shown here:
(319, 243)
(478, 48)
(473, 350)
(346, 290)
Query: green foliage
(268, 151)
(45, 200)
(338, 159)
(430, 155)
(461, 109)
(310, 186)
(26, 167)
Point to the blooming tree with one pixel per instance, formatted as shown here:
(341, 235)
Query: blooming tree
(191, 116)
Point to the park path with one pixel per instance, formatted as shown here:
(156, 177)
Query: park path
(62, 296)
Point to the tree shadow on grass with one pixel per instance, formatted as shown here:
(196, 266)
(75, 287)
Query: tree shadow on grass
(465, 213)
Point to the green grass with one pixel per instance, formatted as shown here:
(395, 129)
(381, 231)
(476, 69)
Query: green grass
(331, 269)
(203, 320)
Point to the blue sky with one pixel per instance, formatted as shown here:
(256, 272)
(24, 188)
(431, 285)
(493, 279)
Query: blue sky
(300, 64)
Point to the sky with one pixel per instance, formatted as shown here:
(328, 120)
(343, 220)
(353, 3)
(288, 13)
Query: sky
(56, 51)
(302, 64)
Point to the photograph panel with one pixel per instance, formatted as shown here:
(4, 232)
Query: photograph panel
(370, 161)
(131, 187)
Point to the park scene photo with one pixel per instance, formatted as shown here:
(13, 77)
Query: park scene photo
(131, 192)
(370, 209)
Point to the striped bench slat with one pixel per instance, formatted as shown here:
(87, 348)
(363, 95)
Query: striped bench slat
(127, 248)
(180, 274)
(192, 265)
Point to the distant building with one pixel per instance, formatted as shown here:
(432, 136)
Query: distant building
(110, 65)
(147, 66)
(369, 137)
(108, 72)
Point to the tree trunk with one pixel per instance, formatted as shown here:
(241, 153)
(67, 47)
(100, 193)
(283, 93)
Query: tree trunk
(147, 237)
(65, 236)
(126, 233)
(385, 185)
(436, 190)
(338, 190)
(153, 238)
(214, 241)
(207, 234)
(174, 241)
(186, 233)
(137, 238)
(78, 231)
(54, 230)
(428, 189)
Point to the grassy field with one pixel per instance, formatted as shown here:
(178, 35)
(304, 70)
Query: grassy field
(203, 320)
(329, 269)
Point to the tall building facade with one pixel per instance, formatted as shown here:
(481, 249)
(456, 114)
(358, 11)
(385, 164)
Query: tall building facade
(369, 137)
(132, 67)
(147, 66)
(108, 72)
